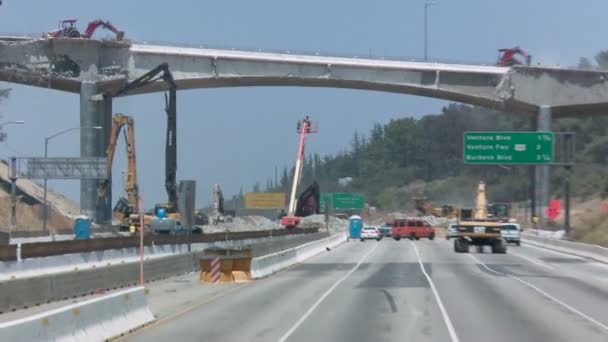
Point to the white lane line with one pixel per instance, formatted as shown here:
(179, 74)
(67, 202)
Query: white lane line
(590, 319)
(327, 293)
(527, 245)
(444, 312)
(537, 262)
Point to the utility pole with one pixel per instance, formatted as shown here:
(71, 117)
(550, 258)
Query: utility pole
(13, 178)
(427, 4)
(567, 204)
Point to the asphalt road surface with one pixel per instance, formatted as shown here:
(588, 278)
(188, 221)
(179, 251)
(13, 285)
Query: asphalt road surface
(407, 291)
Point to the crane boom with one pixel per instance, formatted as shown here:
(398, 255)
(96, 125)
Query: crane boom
(291, 220)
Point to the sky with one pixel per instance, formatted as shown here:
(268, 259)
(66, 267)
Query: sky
(236, 136)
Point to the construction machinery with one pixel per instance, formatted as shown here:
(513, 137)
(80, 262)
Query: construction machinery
(507, 57)
(425, 207)
(292, 220)
(126, 209)
(475, 227)
(162, 72)
(67, 28)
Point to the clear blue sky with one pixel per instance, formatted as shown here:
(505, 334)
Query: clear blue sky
(236, 136)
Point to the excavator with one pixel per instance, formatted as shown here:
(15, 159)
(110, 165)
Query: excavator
(506, 57)
(476, 227)
(424, 207)
(67, 28)
(126, 209)
(308, 202)
(171, 137)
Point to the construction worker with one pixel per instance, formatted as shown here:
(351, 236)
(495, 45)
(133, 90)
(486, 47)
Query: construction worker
(307, 123)
(132, 229)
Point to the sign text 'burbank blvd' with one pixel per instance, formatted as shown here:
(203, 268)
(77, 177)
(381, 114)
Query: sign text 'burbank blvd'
(508, 147)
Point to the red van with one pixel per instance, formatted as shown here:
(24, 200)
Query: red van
(413, 228)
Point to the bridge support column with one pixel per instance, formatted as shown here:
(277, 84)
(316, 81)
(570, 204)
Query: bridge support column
(542, 175)
(92, 144)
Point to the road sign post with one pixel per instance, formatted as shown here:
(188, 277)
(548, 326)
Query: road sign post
(508, 147)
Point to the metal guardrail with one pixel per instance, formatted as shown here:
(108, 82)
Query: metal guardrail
(45, 249)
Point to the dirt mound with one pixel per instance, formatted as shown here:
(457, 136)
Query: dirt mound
(30, 199)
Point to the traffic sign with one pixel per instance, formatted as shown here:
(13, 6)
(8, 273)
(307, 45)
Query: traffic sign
(507, 147)
(342, 200)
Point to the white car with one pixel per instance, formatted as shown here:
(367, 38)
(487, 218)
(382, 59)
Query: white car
(370, 232)
(452, 231)
(511, 233)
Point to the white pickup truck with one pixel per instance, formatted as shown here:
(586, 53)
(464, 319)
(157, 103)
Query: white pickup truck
(511, 233)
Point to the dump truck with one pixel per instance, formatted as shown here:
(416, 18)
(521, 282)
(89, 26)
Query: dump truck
(477, 229)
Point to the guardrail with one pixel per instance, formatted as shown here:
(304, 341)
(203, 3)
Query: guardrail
(44, 249)
(595, 252)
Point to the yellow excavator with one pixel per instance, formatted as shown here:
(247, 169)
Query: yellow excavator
(126, 209)
(425, 207)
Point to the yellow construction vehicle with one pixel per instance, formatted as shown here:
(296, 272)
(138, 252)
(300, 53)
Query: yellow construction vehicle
(476, 228)
(126, 209)
(425, 207)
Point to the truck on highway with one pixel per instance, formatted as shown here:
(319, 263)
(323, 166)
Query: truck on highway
(475, 228)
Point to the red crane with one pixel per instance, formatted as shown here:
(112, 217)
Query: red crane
(506, 57)
(67, 28)
(291, 220)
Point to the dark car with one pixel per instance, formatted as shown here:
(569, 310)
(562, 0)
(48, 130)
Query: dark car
(385, 229)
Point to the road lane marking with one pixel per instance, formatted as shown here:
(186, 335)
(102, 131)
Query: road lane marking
(327, 293)
(527, 245)
(444, 312)
(537, 262)
(590, 319)
(172, 316)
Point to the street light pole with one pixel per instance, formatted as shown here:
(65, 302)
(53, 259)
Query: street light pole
(13, 178)
(427, 4)
(45, 210)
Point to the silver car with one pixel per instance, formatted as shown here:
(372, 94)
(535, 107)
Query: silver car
(452, 231)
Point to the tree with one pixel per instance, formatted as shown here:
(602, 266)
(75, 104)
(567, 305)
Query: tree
(3, 95)
(584, 63)
(602, 59)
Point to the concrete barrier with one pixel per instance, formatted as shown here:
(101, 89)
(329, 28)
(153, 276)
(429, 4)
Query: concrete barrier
(269, 264)
(594, 252)
(23, 292)
(96, 319)
(34, 267)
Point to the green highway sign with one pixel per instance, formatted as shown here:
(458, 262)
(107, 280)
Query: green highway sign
(324, 198)
(507, 147)
(342, 200)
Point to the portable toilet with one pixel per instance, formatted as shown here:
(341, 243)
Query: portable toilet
(82, 227)
(354, 227)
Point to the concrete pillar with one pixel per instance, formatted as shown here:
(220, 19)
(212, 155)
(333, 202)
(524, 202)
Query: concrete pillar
(94, 112)
(543, 172)
(104, 204)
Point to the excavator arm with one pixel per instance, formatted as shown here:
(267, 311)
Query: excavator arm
(118, 122)
(171, 109)
(93, 25)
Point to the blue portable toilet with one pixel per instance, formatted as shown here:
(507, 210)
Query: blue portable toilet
(354, 227)
(82, 227)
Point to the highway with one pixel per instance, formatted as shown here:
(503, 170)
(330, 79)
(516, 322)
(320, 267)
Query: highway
(406, 291)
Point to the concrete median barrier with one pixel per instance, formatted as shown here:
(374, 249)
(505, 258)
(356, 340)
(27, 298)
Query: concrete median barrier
(266, 265)
(594, 252)
(40, 287)
(96, 319)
